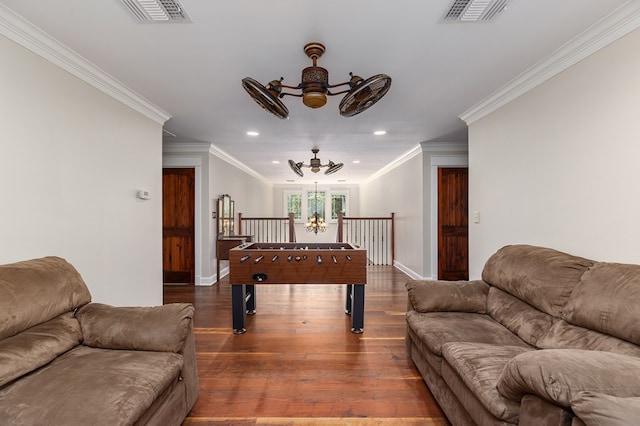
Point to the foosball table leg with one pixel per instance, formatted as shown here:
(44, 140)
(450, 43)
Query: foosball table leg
(250, 297)
(357, 314)
(349, 303)
(239, 308)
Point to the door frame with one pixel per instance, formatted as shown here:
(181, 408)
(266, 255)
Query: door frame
(195, 163)
(437, 162)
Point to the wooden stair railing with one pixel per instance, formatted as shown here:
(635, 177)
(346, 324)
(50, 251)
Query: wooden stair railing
(268, 229)
(375, 234)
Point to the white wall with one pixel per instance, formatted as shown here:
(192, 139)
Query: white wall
(558, 167)
(216, 174)
(400, 191)
(71, 161)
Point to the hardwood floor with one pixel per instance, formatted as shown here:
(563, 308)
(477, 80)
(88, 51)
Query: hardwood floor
(299, 364)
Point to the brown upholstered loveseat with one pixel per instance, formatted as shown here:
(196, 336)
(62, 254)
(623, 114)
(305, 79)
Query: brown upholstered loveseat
(545, 338)
(66, 361)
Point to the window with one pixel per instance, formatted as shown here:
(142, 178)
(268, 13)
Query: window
(338, 205)
(316, 204)
(303, 204)
(294, 204)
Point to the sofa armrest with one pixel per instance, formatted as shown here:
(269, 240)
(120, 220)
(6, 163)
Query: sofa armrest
(599, 409)
(558, 375)
(448, 296)
(158, 328)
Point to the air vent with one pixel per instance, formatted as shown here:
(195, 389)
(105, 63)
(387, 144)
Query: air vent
(156, 11)
(475, 10)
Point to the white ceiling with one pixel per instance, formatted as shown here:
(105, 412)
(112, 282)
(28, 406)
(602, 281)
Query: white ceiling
(193, 71)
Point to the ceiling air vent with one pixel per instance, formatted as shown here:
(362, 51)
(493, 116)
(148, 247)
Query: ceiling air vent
(156, 11)
(474, 10)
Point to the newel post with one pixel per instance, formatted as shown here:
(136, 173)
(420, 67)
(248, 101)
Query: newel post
(340, 236)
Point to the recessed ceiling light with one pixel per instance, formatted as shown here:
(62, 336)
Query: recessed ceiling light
(356, 161)
(275, 162)
(252, 133)
(379, 132)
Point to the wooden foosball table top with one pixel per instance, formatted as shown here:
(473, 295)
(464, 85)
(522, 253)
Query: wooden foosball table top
(297, 263)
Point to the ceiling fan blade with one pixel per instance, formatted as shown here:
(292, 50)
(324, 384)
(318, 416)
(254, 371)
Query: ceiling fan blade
(267, 99)
(296, 167)
(366, 93)
(333, 168)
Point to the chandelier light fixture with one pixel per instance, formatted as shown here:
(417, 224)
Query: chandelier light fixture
(360, 95)
(315, 164)
(316, 223)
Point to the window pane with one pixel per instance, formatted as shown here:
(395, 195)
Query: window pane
(294, 205)
(338, 205)
(314, 205)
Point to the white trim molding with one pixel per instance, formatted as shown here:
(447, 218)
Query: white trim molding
(19, 30)
(414, 275)
(618, 23)
(185, 147)
(416, 150)
(196, 163)
(214, 150)
(439, 146)
(440, 161)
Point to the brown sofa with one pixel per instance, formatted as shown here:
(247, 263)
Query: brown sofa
(545, 338)
(66, 361)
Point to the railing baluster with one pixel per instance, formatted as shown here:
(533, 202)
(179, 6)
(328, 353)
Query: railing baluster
(375, 234)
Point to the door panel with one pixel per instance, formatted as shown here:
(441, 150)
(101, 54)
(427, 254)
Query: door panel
(453, 215)
(178, 225)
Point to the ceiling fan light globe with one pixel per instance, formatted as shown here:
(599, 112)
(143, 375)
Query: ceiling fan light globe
(314, 99)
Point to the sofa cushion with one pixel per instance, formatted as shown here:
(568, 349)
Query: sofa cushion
(438, 328)
(155, 328)
(89, 386)
(596, 409)
(608, 300)
(520, 318)
(35, 291)
(36, 346)
(557, 375)
(542, 277)
(479, 366)
(566, 336)
(448, 296)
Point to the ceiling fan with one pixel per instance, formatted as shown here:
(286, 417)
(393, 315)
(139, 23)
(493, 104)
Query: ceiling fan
(315, 165)
(360, 95)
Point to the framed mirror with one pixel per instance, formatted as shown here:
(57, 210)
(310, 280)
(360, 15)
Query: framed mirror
(226, 221)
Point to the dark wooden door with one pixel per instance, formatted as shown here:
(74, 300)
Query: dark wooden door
(178, 219)
(453, 220)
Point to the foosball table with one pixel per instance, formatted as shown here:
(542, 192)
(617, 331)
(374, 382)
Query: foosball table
(296, 263)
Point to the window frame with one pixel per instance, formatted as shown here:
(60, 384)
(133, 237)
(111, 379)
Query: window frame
(304, 200)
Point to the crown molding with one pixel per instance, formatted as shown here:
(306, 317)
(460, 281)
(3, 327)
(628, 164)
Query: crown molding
(618, 23)
(185, 147)
(416, 150)
(209, 148)
(427, 146)
(19, 30)
(440, 146)
(214, 150)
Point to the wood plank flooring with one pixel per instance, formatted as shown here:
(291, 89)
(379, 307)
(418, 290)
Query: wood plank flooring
(299, 364)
